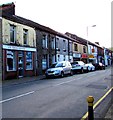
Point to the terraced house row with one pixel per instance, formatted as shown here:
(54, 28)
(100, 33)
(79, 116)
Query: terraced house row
(29, 48)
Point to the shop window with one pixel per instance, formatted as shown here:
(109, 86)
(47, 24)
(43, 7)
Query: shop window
(12, 33)
(11, 61)
(25, 36)
(29, 63)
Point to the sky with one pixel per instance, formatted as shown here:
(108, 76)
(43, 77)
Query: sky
(73, 16)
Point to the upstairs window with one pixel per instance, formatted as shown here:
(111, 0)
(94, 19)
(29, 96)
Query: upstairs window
(25, 36)
(53, 43)
(57, 43)
(44, 41)
(12, 33)
(70, 46)
(64, 45)
(84, 49)
(75, 47)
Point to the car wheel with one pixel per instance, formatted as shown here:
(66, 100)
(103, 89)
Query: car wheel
(82, 70)
(71, 72)
(47, 77)
(62, 74)
(91, 69)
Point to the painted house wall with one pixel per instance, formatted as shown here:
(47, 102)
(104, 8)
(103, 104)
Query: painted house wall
(80, 50)
(14, 49)
(19, 33)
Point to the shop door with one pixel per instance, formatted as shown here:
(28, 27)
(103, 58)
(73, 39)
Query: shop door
(20, 63)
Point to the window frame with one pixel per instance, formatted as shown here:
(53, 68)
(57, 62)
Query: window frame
(64, 44)
(53, 43)
(57, 43)
(14, 60)
(75, 47)
(84, 49)
(25, 33)
(12, 29)
(44, 62)
(31, 58)
(44, 41)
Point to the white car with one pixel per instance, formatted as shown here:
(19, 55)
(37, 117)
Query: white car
(90, 66)
(60, 69)
(79, 66)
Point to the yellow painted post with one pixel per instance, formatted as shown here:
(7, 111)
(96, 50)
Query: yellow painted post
(90, 101)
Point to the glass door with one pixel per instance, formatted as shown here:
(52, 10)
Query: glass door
(20, 64)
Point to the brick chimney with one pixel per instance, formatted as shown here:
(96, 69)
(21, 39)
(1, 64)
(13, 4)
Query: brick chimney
(8, 8)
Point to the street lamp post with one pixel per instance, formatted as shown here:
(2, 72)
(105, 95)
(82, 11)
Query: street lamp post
(87, 30)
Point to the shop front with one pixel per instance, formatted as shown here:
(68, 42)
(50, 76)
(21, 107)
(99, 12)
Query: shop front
(92, 58)
(18, 62)
(76, 56)
(84, 58)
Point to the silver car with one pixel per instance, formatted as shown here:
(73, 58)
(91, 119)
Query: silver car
(79, 66)
(60, 69)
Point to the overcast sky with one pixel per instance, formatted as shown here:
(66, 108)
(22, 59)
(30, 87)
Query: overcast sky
(72, 16)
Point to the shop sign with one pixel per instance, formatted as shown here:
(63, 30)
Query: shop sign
(84, 56)
(77, 55)
(9, 47)
(91, 56)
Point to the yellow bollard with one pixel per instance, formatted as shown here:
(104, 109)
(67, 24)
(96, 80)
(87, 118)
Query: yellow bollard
(90, 101)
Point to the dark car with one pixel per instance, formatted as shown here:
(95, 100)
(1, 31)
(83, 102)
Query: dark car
(99, 66)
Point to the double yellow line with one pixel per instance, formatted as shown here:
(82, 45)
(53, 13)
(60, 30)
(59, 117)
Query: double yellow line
(98, 102)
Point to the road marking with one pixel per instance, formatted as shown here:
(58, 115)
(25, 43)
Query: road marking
(67, 81)
(97, 103)
(16, 97)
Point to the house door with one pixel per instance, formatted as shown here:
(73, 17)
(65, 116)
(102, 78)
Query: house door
(20, 63)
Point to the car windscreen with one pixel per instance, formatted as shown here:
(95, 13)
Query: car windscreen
(53, 65)
(59, 65)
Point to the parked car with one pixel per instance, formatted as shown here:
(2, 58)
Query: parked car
(79, 66)
(99, 66)
(60, 69)
(90, 66)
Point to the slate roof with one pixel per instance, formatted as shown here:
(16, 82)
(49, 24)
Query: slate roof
(8, 12)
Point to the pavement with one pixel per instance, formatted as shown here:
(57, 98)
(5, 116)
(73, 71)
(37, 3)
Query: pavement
(108, 112)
